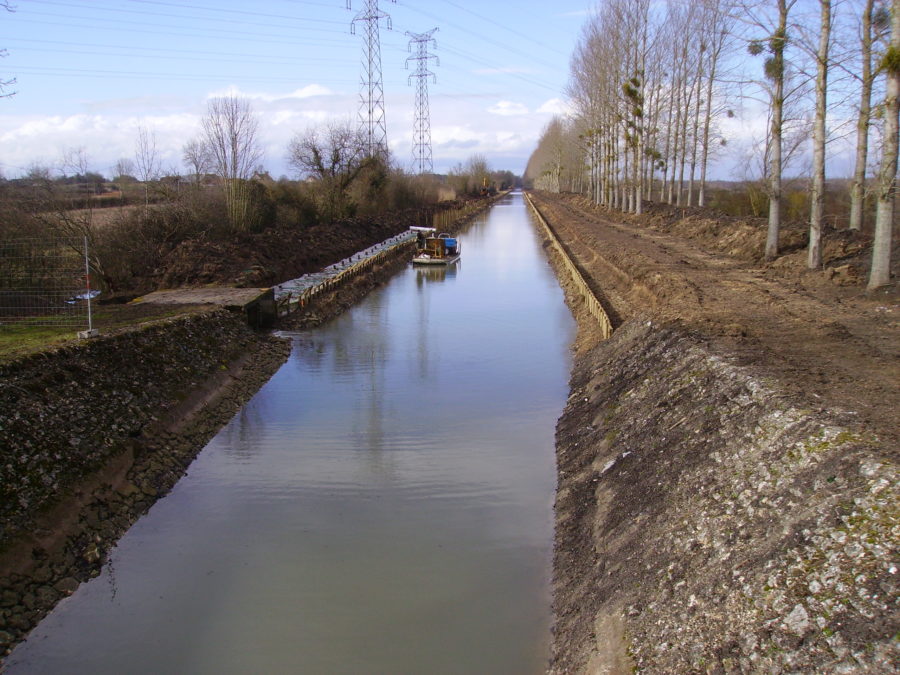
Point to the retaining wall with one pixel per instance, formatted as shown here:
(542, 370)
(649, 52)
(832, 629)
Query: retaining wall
(568, 267)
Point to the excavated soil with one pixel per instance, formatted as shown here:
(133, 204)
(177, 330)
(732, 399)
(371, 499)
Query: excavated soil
(817, 331)
(274, 255)
(728, 493)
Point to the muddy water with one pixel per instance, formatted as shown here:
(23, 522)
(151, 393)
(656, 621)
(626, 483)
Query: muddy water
(383, 505)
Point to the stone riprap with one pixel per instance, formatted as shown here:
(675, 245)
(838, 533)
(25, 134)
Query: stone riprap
(715, 523)
(92, 434)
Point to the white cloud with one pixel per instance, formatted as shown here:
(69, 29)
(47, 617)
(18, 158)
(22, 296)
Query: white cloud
(555, 106)
(309, 91)
(508, 108)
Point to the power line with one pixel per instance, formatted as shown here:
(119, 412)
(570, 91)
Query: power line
(166, 50)
(530, 38)
(280, 17)
(284, 39)
(245, 59)
(489, 40)
(106, 73)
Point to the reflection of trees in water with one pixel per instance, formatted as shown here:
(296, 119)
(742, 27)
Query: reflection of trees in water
(354, 349)
(240, 438)
(476, 233)
(308, 351)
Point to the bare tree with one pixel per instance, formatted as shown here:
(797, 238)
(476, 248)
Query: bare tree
(4, 84)
(718, 28)
(146, 159)
(38, 172)
(334, 156)
(75, 160)
(197, 157)
(479, 172)
(775, 74)
(880, 274)
(123, 167)
(817, 205)
(869, 24)
(614, 84)
(230, 132)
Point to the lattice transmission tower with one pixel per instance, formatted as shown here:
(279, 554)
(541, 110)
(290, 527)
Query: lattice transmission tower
(371, 91)
(422, 124)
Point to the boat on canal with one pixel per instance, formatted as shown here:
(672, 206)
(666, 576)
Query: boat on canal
(435, 249)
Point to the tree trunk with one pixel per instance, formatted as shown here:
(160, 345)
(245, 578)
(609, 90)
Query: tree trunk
(817, 207)
(775, 140)
(666, 159)
(858, 187)
(887, 174)
(695, 132)
(715, 53)
(682, 160)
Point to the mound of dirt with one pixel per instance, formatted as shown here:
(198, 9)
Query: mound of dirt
(278, 254)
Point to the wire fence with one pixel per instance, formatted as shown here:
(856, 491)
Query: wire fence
(45, 282)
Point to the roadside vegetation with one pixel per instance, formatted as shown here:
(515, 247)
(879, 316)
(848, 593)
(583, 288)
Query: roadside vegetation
(654, 85)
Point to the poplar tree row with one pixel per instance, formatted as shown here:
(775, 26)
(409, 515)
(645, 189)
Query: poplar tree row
(650, 84)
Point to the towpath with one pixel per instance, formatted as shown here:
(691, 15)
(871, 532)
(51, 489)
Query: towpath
(836, 344)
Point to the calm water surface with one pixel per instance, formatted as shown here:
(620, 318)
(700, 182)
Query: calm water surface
(382, 505)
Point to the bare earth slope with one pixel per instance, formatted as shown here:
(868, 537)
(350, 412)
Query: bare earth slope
(728, 492)
(829, 341)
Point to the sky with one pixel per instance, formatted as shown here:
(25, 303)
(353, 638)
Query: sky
(89, 73)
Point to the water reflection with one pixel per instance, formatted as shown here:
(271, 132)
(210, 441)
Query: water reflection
(436, 273)
(382, 505)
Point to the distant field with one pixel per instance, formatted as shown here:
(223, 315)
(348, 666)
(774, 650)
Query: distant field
(104, 216)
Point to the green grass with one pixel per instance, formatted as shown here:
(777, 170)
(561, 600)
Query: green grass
(17, 340)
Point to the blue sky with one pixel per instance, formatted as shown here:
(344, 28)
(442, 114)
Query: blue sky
(89, 72)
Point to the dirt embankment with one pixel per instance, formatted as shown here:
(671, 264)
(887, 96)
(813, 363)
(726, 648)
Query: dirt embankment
(275, 255)
(728, 489)
(91, 435)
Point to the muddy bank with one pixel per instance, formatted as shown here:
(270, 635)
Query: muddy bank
(93, 434)
(714, 513)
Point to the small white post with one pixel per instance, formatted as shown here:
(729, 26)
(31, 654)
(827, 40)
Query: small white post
(90, 332)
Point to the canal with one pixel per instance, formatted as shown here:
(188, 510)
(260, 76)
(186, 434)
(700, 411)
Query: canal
(382, 505)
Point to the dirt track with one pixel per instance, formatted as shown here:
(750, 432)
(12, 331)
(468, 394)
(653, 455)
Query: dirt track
(834, 343)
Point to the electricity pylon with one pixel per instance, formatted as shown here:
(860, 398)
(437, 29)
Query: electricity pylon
(422, 125)
(371, 92)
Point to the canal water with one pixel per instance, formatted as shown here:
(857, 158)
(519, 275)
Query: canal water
(382, 505)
